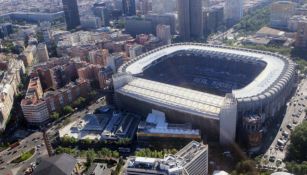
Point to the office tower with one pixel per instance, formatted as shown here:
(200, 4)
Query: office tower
(190, 19)
(164, 33)
(281, 12)
(196, 18)
(5, 30)
(71, 12)
(163, 6)
(233, 11)
(184, 19)
(129, 7)
(192, 160)
(301, 36)
(42, 53)
(101, 10)
(143, 7)
(166, 19)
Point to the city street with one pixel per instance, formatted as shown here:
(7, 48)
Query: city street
(35, 139)
(26, 144)
(295, 114)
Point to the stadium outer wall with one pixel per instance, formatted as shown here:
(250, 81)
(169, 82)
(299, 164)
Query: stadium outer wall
(267, 103)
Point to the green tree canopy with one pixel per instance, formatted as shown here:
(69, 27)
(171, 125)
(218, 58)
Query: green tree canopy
(68, 109)
(69, 140)
(55, 116)
(297, 168)
(246, 167)
(297, 150)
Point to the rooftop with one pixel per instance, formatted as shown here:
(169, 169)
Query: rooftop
(270, 32)
(155, 123)
(170, 163)
(181, 98)
(62, 164)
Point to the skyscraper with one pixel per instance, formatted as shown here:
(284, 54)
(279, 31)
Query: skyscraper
(233, 11)
(196, 18)
(184, 19)
(190, 19)
(129, 7)
(71, 12)
(144, 7)
(163, 32)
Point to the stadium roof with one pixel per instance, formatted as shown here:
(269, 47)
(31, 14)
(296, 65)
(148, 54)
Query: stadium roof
(274, 76)
(182, 99)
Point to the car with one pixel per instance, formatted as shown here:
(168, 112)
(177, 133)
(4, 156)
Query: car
(281, 142)
(272, 158)
(295, 122)
(281, 148)
(289, 126)
(285, 134)
(278, 162)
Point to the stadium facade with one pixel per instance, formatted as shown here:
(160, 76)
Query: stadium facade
(212, 87)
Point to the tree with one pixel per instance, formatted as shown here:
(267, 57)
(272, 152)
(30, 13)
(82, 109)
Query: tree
(55, 116)
(297, 149)
(87, 141)
(297, 168)
(68, 109)
(93, 94)
(69, 140)
(80, 102)
(20, 86)
(246, 167)
(90, 156)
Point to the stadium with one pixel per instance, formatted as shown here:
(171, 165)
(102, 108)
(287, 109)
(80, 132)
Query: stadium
(212, 87)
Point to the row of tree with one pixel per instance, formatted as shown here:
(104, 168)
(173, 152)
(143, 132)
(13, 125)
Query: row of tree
(154, 153)
(87, 142)
(103, 153)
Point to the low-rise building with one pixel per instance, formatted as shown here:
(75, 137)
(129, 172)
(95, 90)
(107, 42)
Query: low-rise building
(63, 164)
(103, 126)
(155, 128)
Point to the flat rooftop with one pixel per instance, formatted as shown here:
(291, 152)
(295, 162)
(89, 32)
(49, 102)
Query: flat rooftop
(183, 99)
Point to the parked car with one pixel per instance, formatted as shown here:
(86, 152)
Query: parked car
(272, 158)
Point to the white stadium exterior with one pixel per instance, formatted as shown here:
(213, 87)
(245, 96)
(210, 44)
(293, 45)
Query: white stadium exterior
(215, 114)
